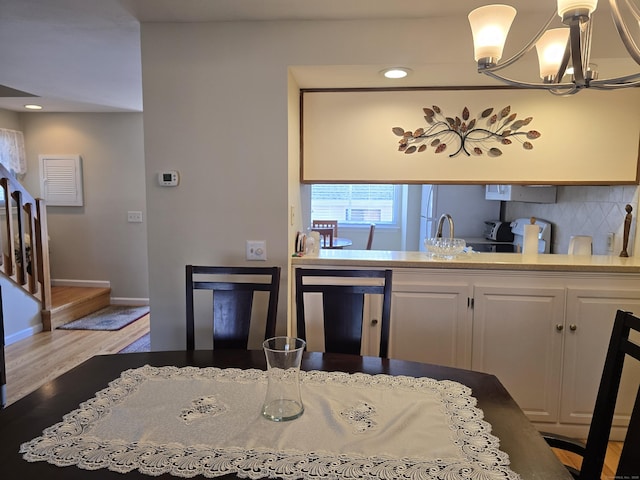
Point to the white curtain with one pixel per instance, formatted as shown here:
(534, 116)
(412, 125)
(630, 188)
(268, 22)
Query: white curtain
(12, 151)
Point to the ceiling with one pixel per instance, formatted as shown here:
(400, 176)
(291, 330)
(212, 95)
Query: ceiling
(84, 55)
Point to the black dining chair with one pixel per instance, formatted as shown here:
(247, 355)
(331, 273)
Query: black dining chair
(343, 302)
(3, 367)
(621, 347)
(233, 290)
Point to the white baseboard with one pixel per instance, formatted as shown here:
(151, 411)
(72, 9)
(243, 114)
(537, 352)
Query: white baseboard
(129, 301)
(22, 334)
(80, 283)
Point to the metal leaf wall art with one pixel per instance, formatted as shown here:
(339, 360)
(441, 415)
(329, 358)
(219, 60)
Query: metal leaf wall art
(473, 136)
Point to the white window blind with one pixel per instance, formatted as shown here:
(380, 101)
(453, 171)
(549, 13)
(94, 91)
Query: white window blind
(355, 203)
(61, 180)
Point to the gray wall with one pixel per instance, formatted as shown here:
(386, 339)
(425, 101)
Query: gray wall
(216, 110)
(217, 106)
(220, 107)
(10, 120)
(95, 242)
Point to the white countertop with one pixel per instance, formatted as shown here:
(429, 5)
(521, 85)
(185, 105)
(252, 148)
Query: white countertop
(474, 260)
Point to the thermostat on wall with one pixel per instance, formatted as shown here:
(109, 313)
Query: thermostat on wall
(168, 178)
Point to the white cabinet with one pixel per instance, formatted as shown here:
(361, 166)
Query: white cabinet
(430, 319)
(521, 193)
(516, 337)
(547, 345)
(589, 320)
(543, 334)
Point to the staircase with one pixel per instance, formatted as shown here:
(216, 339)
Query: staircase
(71, 303)
(25, 256)
(25, 259)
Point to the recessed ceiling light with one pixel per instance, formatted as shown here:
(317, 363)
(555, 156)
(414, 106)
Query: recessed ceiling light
(33, 107)
(396, 72)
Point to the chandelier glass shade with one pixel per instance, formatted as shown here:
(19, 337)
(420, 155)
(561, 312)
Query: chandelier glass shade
(561, 51)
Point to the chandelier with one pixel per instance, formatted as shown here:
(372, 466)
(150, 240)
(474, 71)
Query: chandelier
(561, 51)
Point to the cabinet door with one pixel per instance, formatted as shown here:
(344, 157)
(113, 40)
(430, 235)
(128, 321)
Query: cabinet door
(590, 315)
(517, 336)
(431, 324)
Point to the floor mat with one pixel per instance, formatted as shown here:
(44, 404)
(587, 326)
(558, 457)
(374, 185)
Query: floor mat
(113, 317)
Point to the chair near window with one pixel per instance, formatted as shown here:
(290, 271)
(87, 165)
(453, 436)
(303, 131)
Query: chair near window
(333, 224)
(233, 290)
(326, 236)
(372, 229)
(343, 305)
(593, 452)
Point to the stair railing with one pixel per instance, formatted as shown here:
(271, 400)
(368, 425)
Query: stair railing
(25, 255)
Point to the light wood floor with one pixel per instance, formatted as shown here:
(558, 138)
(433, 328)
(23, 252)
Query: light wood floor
(610, 461)
(35, 360)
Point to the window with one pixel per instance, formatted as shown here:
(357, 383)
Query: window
(356, 204)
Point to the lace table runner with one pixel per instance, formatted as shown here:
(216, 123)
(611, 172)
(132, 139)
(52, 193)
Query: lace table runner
(206, 421)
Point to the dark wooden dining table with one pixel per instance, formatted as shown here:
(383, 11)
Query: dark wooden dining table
(25, 419)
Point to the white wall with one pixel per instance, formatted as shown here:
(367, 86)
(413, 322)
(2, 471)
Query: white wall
(347, 137)
(21, 312)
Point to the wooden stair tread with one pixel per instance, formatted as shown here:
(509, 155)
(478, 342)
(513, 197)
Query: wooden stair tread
(72, 303)
(62, 297)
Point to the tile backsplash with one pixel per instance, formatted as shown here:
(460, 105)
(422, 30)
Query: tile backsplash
(584, 210)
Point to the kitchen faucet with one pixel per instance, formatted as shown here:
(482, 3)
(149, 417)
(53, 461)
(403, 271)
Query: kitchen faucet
(441, 222)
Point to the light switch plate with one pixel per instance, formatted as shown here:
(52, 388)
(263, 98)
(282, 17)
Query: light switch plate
(256, 249)
(134, 217)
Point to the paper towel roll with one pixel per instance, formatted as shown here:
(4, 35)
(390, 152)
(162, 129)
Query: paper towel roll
(530, 240)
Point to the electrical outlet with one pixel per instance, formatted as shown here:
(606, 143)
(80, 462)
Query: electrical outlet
(256, 249)
(134, 217)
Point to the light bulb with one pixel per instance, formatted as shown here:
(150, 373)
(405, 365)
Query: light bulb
(551, 48)
(490, 25)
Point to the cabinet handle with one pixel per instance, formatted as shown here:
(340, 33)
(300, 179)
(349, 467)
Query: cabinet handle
(573, 327)
(374, 321)
(559, 327)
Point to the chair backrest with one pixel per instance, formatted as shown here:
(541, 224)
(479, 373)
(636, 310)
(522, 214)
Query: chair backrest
(372, 229)
(333, 224)
(620, 347)
(3, 367)
(326, 236)
(233, 291)
(343, 302)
